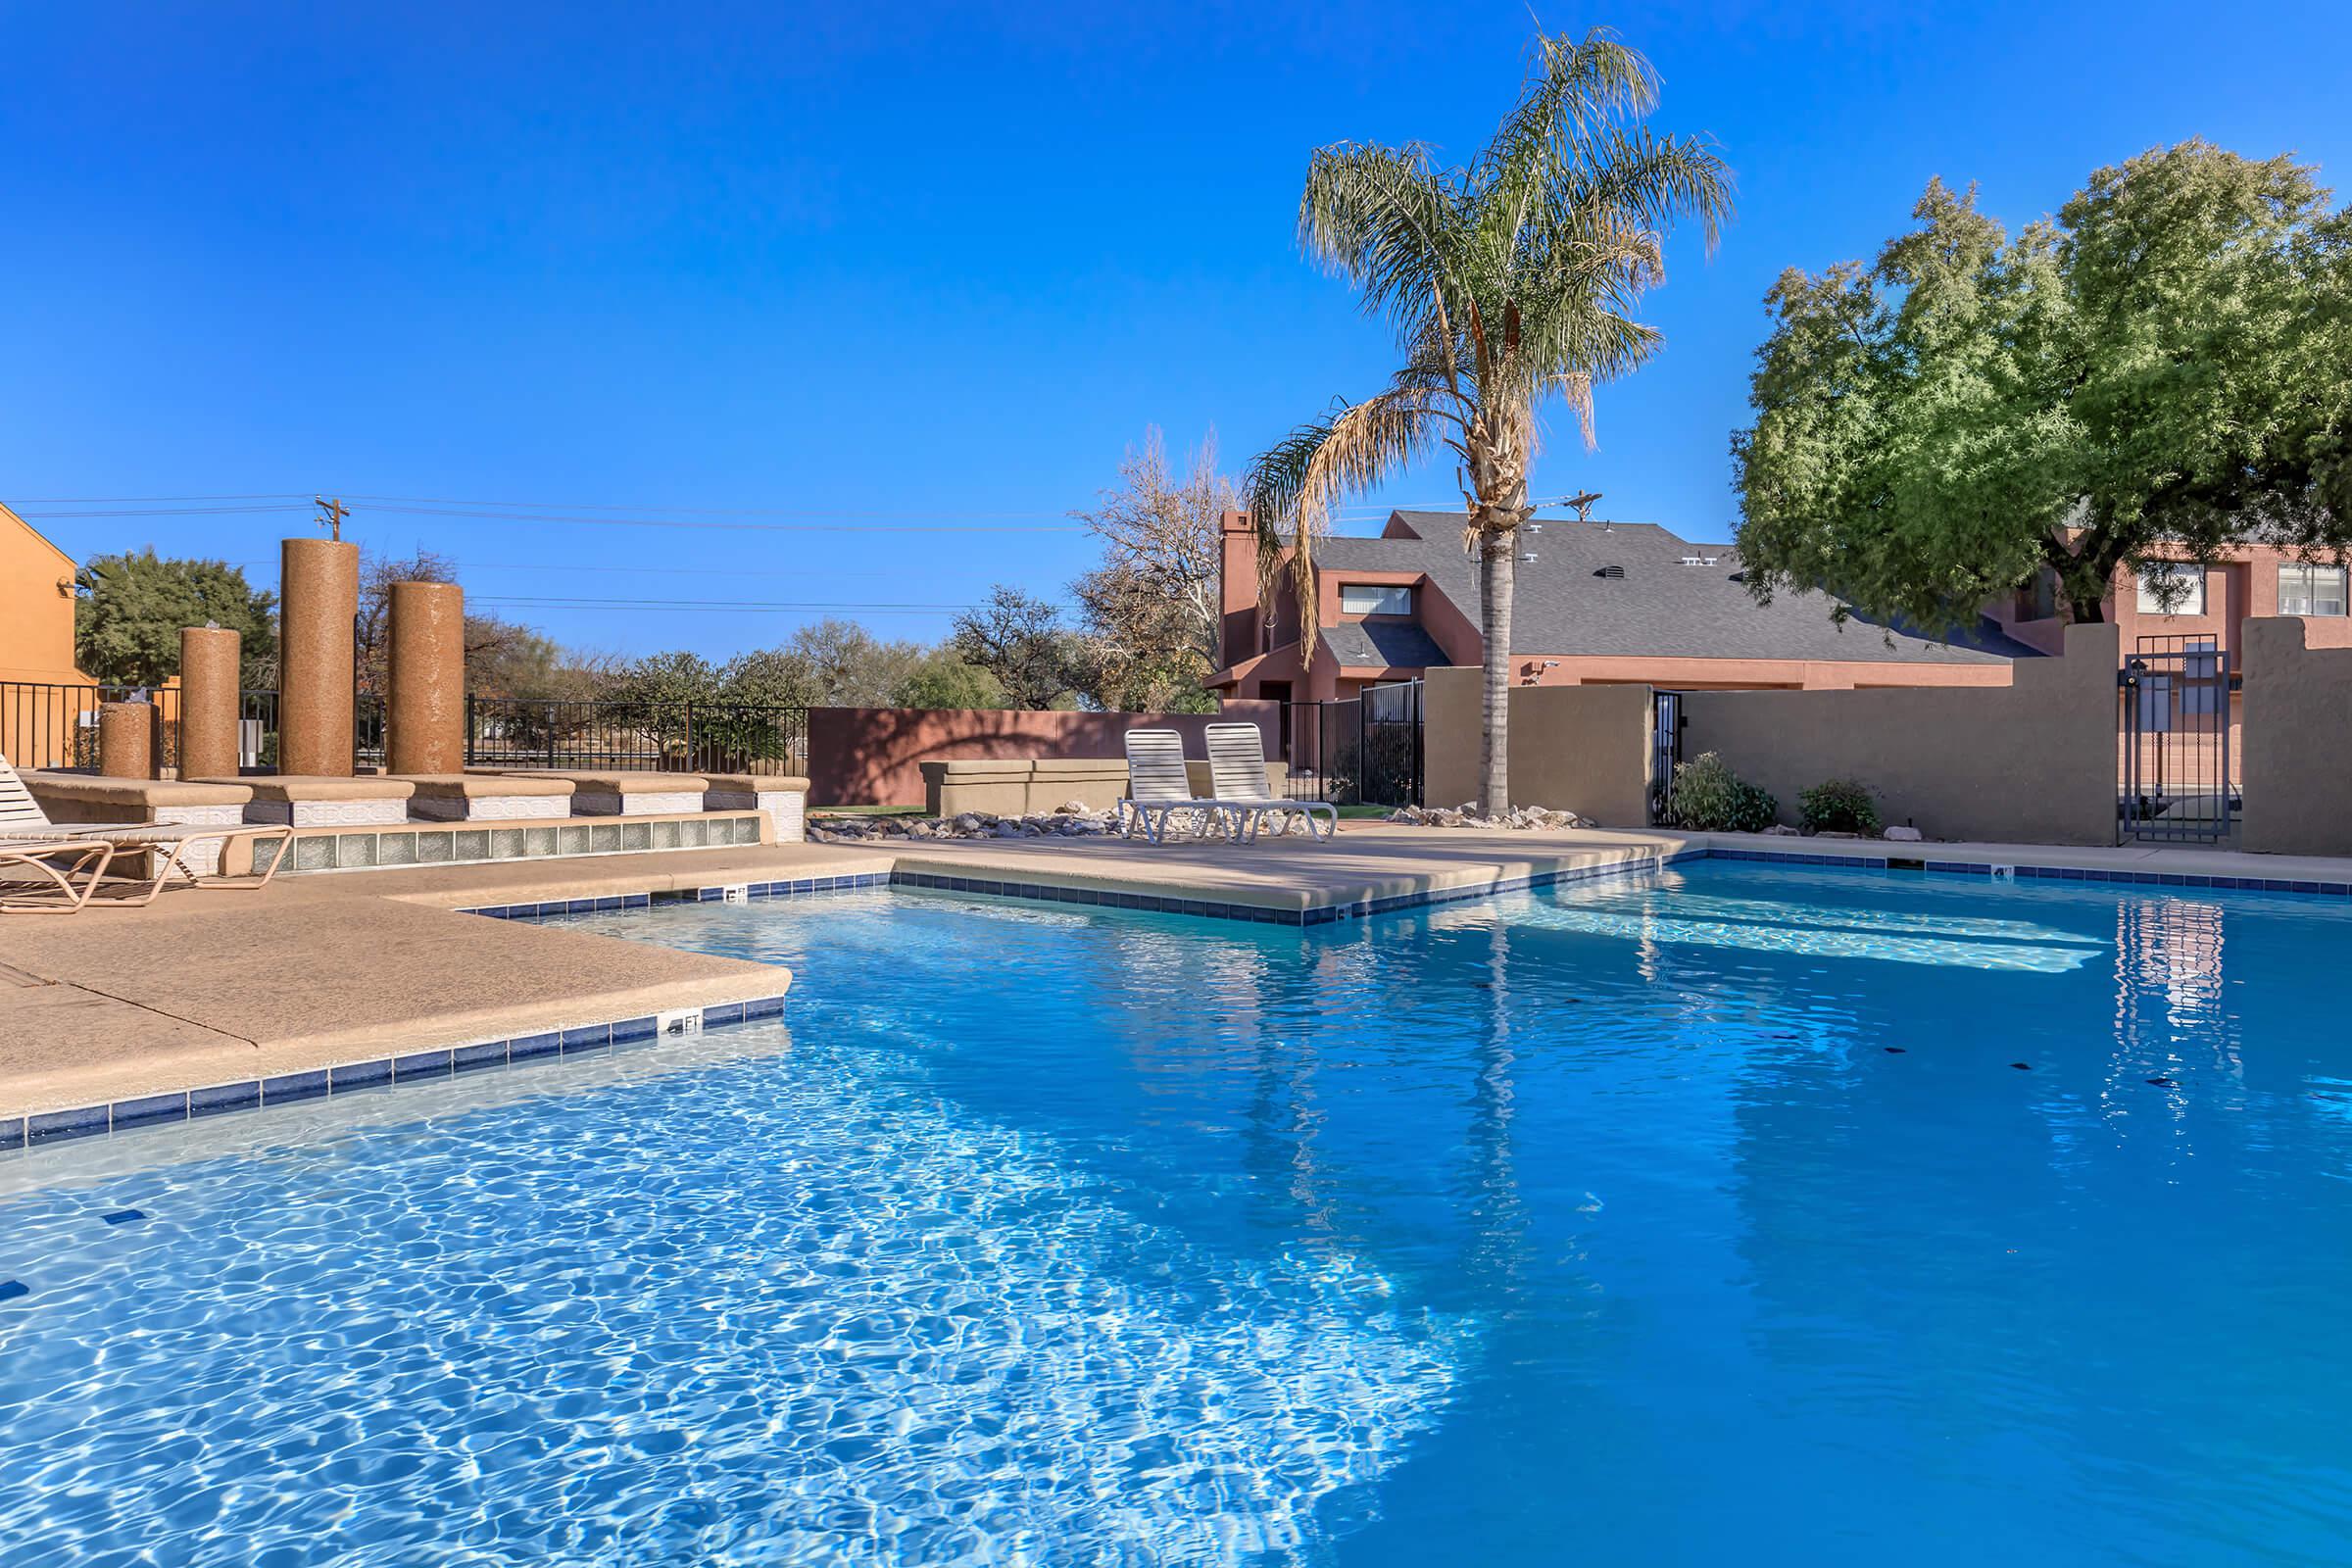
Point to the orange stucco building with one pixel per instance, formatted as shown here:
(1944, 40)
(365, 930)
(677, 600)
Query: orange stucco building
(36, 647)
(36, 607)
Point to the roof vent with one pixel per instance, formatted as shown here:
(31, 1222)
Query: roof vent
(1529, 556)
(1612, 573)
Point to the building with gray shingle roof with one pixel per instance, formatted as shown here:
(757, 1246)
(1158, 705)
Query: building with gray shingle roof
(1593, 601)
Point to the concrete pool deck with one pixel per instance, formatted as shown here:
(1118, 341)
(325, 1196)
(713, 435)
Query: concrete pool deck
(324, 969)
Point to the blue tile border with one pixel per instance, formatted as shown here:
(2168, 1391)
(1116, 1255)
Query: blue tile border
(17, 1133)
(603, 904)
(1263, 914)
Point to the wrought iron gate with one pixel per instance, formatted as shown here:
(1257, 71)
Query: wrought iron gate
(1665, 753)
(1362, 749)
(2174, 772)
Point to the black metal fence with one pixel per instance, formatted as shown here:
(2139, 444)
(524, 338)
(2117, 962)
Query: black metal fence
(1365, 750)
(679, 737)
(2175, 770)
(48, 725)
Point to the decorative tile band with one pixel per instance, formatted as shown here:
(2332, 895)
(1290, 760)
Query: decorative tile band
(484, 840)
(152, 1110)
(2051, 873)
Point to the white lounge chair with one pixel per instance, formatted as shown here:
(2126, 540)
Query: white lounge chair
(1237, 770)
(25, 831)
(1157, 789)
(51, 878)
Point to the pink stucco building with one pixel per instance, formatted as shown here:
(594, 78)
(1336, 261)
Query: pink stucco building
(1604, 603)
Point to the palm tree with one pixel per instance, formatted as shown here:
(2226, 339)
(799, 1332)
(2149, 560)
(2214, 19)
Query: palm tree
(1509, 282)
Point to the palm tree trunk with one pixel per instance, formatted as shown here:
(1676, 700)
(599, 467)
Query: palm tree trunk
(1496, 561)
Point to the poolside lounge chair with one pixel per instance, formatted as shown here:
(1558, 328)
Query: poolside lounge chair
(1157, 789)
(51, 878)
(26, 833)
(1237, 770)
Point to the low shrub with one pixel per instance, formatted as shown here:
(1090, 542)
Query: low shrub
(1711, 799)
(1839, 805)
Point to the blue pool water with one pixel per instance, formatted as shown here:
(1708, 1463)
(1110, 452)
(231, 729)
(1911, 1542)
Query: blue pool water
(1738, 1215)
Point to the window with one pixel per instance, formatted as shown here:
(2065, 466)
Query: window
(1375, 599)
(2311, 590)
(2172, 588)
(2038, 600)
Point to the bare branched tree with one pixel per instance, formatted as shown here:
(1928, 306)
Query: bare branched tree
(1151, 608)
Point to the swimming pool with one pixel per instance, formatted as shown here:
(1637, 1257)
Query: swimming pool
(1732, 1214)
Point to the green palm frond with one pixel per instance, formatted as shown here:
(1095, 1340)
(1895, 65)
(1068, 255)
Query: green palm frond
(1510, 282)
(1292, 484)
(1377, 216)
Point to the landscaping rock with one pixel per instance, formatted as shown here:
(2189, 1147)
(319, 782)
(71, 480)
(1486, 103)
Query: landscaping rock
(1779, 830)
(1902, 835)
(1520, 818)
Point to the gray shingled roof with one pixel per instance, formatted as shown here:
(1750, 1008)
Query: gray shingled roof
(1385, 644)
(1660, 608)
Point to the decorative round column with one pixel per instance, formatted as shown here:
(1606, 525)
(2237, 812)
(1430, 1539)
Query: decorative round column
(319, 593)
(126, 740)
(208, 702)
(427, 718)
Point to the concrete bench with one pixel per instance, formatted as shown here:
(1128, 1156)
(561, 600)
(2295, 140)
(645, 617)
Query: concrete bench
(782, 796)
(1018, 786)
(488, 797)
(597, 793)
(304, 800)
(70, 797)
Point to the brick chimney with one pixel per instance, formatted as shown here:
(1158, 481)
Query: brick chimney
(1239, 636)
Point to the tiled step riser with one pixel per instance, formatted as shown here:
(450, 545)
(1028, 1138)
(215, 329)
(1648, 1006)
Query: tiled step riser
(480, 843)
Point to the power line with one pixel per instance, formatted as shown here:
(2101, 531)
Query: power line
(714, 604)
(563, 506)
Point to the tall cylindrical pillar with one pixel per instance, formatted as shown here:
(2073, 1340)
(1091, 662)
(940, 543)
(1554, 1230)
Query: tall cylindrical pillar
(319, 598)
(126, 740)
(428, 718)
(208, 702)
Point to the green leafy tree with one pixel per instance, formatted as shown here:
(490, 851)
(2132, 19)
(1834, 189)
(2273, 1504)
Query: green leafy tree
(833, 663)
(130, 610)
(672, 677)
(943, 680)
(2158, 374)
(1020, 641)
(1510, 284)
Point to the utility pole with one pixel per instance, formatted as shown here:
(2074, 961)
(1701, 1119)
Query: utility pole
(331, 515)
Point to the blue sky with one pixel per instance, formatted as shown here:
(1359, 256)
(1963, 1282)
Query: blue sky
(899, 287)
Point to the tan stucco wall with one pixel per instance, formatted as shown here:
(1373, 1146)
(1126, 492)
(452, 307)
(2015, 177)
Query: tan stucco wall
(36, 605)
(2297, 761)
(2033, 762)
(1583, 749)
